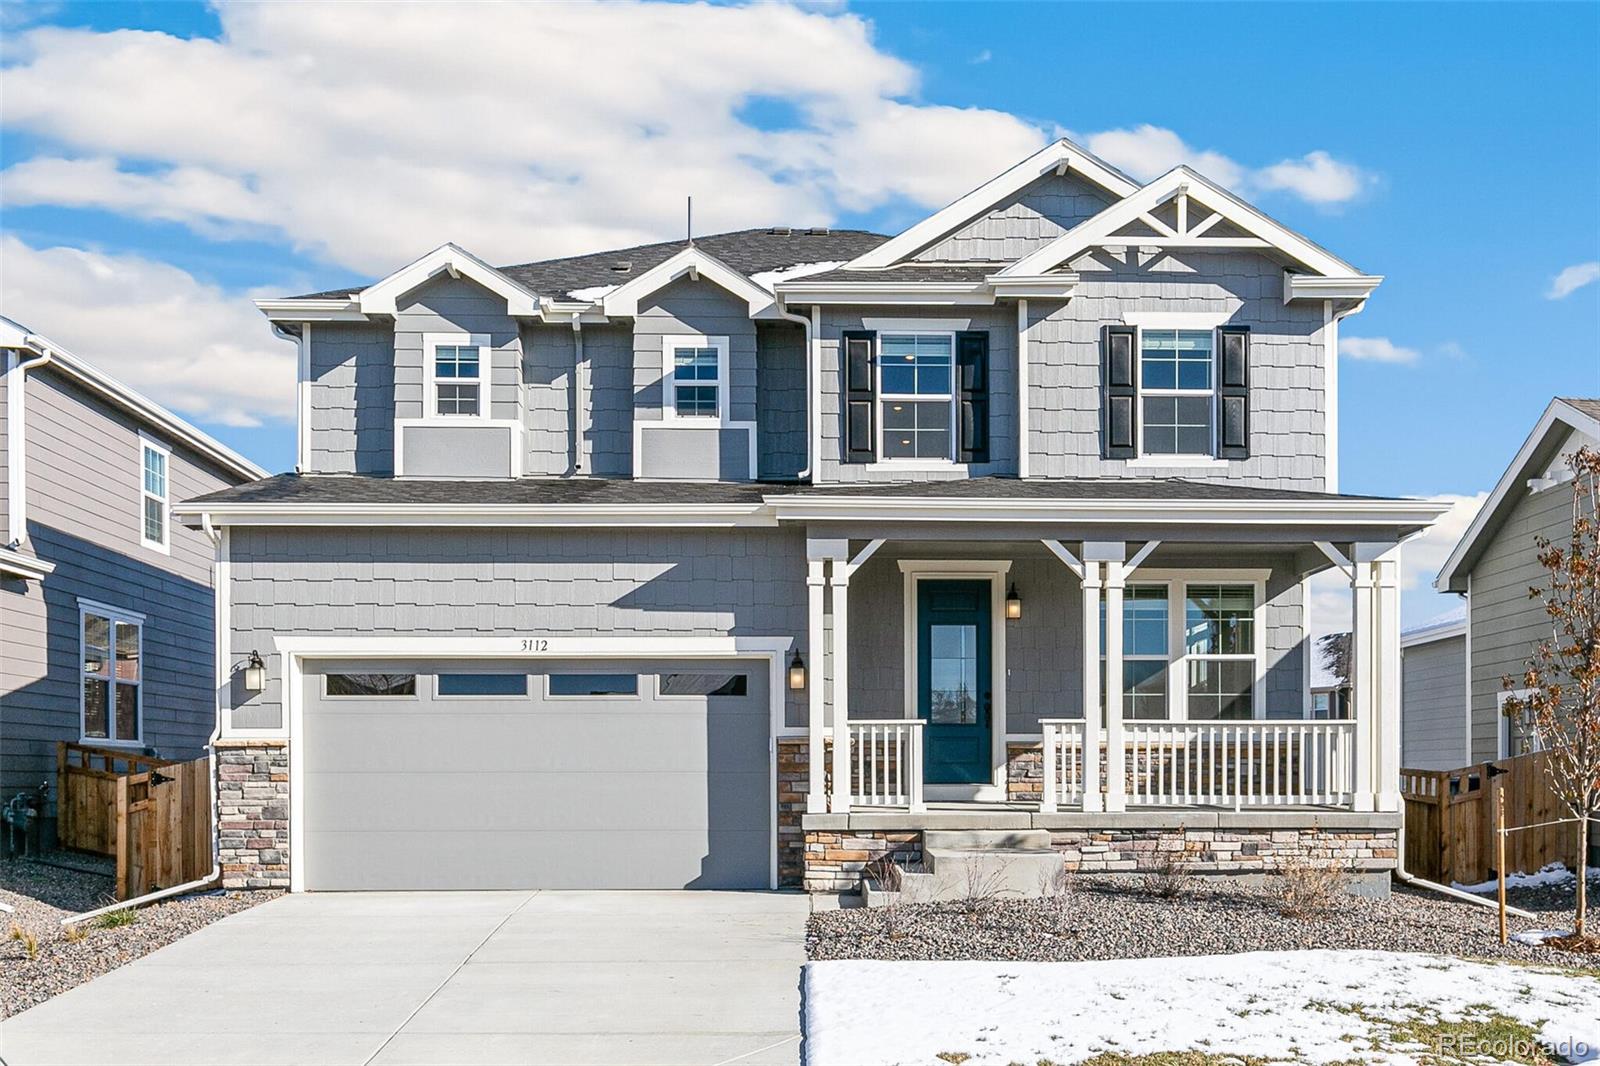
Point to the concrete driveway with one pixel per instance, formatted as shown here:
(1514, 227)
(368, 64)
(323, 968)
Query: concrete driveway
(463, 977)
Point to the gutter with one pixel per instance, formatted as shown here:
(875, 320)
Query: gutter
(1433, 886)
(16, 438)
(813, 377)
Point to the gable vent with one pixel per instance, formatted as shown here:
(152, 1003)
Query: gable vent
(621, 267)
(780, 231)
(818, 231)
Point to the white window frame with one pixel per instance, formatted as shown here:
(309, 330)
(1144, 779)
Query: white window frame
(527, 686)
(164, 545)
(1177, 583)
(116, 616)
(413, 696)
(431, 343)
(599, 670)
(1165, 658)
(881, 397)
(1161, 321)
(670, 346)
(1503, 736)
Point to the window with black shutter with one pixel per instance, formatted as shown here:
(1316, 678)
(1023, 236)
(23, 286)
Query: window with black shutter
(1118, 392)
(1233, 389)
(972, 415)
(860, 395)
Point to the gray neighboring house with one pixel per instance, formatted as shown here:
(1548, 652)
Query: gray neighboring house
(1496, 563)
(744, 561)
(1433, 694)
(107, 618)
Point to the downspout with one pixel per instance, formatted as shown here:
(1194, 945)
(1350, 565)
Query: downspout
(16, 444)
(217, 539)
(1434, 886)
(813, 376)
(302, 424)
(580, 391)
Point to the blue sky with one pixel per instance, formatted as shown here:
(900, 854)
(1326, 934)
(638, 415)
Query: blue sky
(220, 155)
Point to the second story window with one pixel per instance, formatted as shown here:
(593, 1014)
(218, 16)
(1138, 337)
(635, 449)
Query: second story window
(1175, 391)
(153, 496)
(696, 377)
(457, 375)
(916, 393)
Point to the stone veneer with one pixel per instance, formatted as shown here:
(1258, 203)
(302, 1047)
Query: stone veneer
(253, 813)
(1225, 851)
(834, 859)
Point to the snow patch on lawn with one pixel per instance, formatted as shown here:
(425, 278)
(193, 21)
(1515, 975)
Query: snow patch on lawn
(1297, 1005)
(1554, 874)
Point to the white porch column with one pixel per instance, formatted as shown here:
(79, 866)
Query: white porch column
(1384, 648)
(1093, 784)
(816, 726)
(1363, 693)
(1116, 783)
(839, 581)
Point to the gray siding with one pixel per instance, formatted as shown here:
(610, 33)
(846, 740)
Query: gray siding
(1506, 624)
(1288, 434)
(608, 438)
(1001, 324)
(780, 400)
(549, 356)
(1033, 218)
(84, 515)
(1433, 692)
(582, 582)
(352, 398)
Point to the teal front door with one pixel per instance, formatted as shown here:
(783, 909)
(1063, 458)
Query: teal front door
(954, 694)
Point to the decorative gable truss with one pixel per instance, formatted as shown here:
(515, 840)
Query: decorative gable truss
(1184, 210)
(694, 264)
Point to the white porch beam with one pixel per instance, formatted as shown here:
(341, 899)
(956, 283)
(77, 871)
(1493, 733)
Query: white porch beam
(1089, 625)
(1336, 557)
(1139, 556)
(862, 556)
(1060, 551)
(816, 727)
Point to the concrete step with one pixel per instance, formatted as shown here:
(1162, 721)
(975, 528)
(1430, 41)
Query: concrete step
(949, 874)
(987, 839)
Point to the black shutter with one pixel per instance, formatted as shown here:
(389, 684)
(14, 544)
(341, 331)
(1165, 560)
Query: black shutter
(1233, 388)
(1117, 392)
(860, 395)
(972, 395)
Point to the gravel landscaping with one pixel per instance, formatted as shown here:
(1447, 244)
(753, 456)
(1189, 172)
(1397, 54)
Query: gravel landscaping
(1118, 917)
(58, 960)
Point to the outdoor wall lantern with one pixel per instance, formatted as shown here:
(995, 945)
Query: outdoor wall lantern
(797, 672)
(1013, 602)
(255, 673)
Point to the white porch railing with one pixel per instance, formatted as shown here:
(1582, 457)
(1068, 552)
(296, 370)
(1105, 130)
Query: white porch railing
(1066, 762)
(1238, 764)
(886, 763)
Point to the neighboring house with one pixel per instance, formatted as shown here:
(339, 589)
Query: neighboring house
(1433, 694)
(745, 560)
(1496, 563)
(107, 625)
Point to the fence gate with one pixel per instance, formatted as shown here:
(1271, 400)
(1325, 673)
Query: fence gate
(1450, 820)
(163, 827)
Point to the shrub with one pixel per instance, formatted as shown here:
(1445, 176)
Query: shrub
(1305, 889)
(117, 919)
(1169, 878)
(1057, 886)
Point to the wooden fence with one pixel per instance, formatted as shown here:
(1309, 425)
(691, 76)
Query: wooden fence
(1450, 821)
(163, 827)
(86, 793)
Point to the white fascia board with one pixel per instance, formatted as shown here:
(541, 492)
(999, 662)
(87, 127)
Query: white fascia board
(932, 293)
(720, 516)
(1144, 512)
(147, 411)
(380, 297)
(340, 309)
(1312, 287)
(1053, 157)
(1044, 286)
(1456, 627)
(1101, 229)
(1450, 578)
(623, 301)
(15, 564)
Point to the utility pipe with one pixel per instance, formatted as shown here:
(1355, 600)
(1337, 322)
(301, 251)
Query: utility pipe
(16, 421)
(1434, 886)
(813, 376)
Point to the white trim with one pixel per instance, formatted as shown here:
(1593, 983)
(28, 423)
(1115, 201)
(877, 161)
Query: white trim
(1348, 512)
(1176, 322)
(641, 425)
(302, 395)
(881, 399)
(1190, 320)
(115, 616)
(1330, 387)
(1175, 461)
(325, 309)
(431, 343)
(222, 630)
(670, 346)
(16, 450)
(916, 325)
(380, 298)
(696, 264)
(1310, 649)
(296, 650)
(1511, 483)
(513, 427)
(914, 571)
(150, 444)
(1311, 287)
(1057, 157)
(16, 564)
(892, 293)
(1502, 745)
(708, 515)
(1101, 229)
(1455, 627)
(1024, 415)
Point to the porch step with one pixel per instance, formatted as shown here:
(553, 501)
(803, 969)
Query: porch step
(989, 871)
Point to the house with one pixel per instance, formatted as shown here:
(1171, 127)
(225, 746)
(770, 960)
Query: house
(743, 561)
(1433, 694)
(106, 604)
(1496, 563)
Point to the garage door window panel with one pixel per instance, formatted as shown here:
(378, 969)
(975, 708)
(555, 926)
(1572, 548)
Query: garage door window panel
(369, 686)
(591, 686)
(700, 685)
(480, 686)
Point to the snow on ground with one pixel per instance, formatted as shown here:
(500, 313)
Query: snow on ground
(1294, 1005)
(1554, 874)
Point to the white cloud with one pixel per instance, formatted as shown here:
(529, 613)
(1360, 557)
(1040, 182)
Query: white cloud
(1420, 561)
(1572, 279)
(1148, 151)
(982, 57)
(1376, 350)
(194, 347)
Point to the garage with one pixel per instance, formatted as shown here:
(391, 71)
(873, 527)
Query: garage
(426, 775)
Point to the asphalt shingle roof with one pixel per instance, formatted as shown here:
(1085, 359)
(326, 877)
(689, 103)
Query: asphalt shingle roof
(1588, 407)
(750, 251)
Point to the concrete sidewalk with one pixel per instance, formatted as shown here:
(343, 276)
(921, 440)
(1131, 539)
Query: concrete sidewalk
(530, 978)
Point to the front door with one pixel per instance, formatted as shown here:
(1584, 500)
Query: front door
(954, 679)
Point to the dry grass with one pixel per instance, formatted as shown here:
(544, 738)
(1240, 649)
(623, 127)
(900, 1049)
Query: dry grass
(1306, 889)
(1169, 878)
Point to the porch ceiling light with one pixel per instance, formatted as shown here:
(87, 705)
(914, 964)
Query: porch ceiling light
(797, 672)
(1013, 602)
(255, 673)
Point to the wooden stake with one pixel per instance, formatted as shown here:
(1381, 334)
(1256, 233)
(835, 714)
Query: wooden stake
(1500, 851)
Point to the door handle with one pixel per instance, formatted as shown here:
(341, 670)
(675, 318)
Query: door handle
(988, 709)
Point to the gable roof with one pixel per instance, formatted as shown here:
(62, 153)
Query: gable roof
(695, 262)
(1057, 157)
(380, 297)
(1560, 418)
(140, 407)
(1104, 227)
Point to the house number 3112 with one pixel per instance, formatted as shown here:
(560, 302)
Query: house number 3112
(535, 644)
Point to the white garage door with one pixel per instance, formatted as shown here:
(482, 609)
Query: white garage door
(441, 775)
